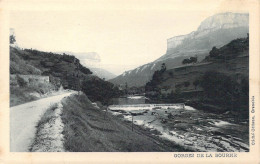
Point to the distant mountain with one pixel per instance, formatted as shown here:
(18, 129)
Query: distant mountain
(91, 60)
(88, 59)
(65, 69)
(102, 73)
(216, 30)
(219, 83)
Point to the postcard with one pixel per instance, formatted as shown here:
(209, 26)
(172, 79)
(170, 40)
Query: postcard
(110, 81)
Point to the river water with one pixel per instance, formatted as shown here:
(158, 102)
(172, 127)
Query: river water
(184, 125)
(130, 100)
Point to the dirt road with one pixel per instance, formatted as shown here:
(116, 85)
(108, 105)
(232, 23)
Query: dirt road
(24, 118)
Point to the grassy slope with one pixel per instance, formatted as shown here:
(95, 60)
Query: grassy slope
(19, 96)
(19, 66)
(236, 63)
(63, 67)
(231, 60)
(23, 94)
(86, 130)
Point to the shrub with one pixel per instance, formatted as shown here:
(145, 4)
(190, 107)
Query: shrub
(156, 79)
(214, 52)
(84, 69)
(99, 90)
(21, 82)
(224, 90)
(190, 60)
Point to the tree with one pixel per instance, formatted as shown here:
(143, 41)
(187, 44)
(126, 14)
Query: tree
(12, 39)
(193, 59)
(99, 90)
(156, 79)
(222, 89)
(163, 67)
(214, 52)
(126, 88)
(190, 60)
(185, 61)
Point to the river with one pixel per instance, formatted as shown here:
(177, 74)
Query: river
(130, 100)
(191, 128)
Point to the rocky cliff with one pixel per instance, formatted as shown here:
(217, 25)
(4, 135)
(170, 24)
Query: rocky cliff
(216, 30)
(220, 80)
(222, 21)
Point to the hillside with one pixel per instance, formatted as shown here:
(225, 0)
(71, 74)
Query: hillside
(27, 82)
(102, 73)
(19, 66)
(65, 70)
(92, 61)
(220, 80)
(88, 59)
(216, 30)
(64, 66)
(69, 121)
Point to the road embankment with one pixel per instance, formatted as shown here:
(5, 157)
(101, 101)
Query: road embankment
(88, 128)
(24, 119)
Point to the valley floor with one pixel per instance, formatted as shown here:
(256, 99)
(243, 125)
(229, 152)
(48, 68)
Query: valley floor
(70, 122)
(89, 128)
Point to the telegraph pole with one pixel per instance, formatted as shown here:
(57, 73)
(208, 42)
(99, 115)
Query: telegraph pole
(132, 122)
(77, 75)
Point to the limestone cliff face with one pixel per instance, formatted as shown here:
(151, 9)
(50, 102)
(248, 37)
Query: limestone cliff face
(216, 22)
(175, 41)
(216, 30)
(224, 20)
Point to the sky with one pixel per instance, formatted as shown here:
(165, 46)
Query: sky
(125, 34)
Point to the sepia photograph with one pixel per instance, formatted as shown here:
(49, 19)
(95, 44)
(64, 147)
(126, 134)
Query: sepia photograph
(132, 76)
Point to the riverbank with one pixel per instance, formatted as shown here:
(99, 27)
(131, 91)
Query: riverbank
(239, 112)
(89, 128)
(187, 127)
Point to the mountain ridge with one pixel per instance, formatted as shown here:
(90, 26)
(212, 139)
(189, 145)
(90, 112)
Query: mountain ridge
(210, 84)
(197, 43)
(102, 73)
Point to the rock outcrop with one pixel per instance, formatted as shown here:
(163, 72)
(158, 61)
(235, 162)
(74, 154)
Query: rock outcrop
(222, 21)
(216, 30)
